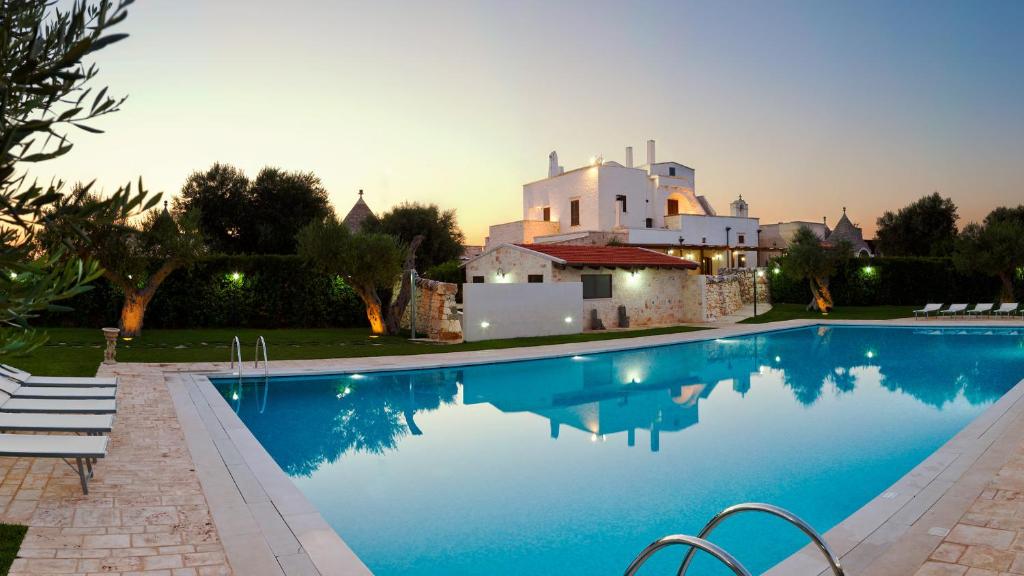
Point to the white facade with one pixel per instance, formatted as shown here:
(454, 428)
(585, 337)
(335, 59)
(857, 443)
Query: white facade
(653, 205)
(495, 311)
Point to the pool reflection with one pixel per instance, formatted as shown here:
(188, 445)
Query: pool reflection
(658, 390)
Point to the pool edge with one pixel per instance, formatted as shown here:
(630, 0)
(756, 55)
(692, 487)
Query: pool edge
(895, 532)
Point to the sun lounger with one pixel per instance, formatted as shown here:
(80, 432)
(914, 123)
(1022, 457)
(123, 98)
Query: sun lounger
(953, 310)
(980, 309)
(26, 378)
(56, 406)
(1006, 309)
(82, 448)
(928, 309)
(16, 390)
(78, 423)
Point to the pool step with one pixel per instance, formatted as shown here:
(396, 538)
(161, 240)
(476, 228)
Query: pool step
(700, 542)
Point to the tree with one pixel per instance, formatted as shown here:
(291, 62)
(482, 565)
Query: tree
(221, 196)
(370, 262)
(442, 238)
(995, 247)
(260, 216)
(43, 96)
(807, 259)
(137, 256)
(926, 227)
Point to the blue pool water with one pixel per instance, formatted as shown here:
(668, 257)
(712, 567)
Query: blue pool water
(573, 465)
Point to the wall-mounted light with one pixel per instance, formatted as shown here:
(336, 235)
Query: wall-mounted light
(568, 319)
(485, 324)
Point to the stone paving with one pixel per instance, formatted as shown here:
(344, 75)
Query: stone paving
(145, 512)
(989, 538)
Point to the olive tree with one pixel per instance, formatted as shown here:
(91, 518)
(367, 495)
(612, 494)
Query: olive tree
(44, 96)
(807, 258)
(994, 248)
(370, 262)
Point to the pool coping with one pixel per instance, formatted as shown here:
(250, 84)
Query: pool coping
(936, 492)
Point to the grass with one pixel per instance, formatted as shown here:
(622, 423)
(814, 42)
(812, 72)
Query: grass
(799, 311)
(10, 540)
(78, 351)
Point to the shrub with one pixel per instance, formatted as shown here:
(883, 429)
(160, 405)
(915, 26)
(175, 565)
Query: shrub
(450, 271)
(263, 291)
(893, 281)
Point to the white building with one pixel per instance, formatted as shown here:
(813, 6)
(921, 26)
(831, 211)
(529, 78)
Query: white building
(654, 205)
(775, 238)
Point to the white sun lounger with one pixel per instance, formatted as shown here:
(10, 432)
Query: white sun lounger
(26, 378)
(79, 423)
(954, 309)
(928, 309)
(16, 390)
(82, 448)
(56, 406)
(980, 309)
(1006, 309)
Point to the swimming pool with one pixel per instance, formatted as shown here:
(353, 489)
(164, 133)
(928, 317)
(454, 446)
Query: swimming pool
(572, 465)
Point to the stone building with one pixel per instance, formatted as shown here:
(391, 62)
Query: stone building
(654, 205)
(655, 289)
(774, 239)
(358, 214)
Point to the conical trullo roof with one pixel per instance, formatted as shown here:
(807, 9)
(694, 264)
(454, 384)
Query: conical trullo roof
(846, 230)
(358, 214)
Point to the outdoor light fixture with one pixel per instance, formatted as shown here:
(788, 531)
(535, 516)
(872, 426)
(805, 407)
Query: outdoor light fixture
(357, 376)
(236, 276)
(870, 354)
(568, 319)
(869, 270)
(760, 273)
(234, 395)
(577, 357)
(501, 272)
(776, 270)
(778, 358)
(485, 324)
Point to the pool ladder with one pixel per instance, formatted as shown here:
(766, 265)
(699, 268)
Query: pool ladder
(700, 542)
(236, 353)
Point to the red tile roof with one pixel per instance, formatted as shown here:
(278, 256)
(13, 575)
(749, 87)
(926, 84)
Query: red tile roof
(610, 256)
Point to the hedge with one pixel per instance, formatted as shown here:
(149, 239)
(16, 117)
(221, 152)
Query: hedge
(892, 281)
(264, 291)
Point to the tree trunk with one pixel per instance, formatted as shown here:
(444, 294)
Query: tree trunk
(1007, 292)
(132, 312)
(397, 308)
(821, 296)
(374, 310)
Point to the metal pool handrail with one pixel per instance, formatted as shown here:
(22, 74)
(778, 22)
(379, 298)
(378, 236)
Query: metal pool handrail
(694, 544)
(236, 346)
(786, 515)
(260, 342)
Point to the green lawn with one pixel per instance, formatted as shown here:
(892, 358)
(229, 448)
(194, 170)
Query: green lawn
(78, 352)
(10, 540)
(799, 311)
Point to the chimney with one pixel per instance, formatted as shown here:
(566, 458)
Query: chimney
(553, 168)
(650, 151)
(629, 156)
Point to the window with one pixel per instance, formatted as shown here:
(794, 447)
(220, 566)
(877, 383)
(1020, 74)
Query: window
(673, 206)
(574, 212)
(650, 222)
(478, 279)
(547, 213)
(535, 278)
(596, 286)
(671, 170)
(621, 199)
(741, 239)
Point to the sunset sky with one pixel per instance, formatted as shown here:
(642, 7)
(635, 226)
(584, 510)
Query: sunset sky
(803, 107)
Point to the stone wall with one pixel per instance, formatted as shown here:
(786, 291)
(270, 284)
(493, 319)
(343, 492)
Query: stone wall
(652, 296)
(437, 314)
(726, 293)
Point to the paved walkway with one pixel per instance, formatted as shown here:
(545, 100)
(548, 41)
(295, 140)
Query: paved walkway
(145, 512)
